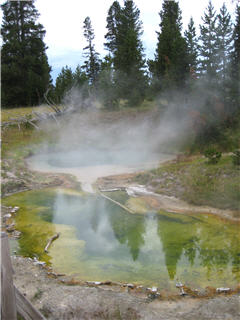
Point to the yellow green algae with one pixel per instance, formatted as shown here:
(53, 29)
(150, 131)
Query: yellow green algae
(101, 241)
(67, 248)
(137, 205)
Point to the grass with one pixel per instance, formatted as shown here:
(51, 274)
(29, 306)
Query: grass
(16, 146)
(198, 182)
(19, 142)
(13, 113)
(216, 185)
(15, 140)
(38, 294)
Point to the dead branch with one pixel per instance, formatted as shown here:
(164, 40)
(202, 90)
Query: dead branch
(116, 202)
(33, 124)
(19, 121)
(55, 118)
(51, 104)
(50, 241)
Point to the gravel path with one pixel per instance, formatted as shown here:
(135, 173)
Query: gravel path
(58, 301)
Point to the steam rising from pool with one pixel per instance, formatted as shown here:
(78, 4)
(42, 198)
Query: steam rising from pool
(90, 145)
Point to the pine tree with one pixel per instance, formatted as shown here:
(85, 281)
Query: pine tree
(92, 64)
(25, 68)
(208, 49)
(113, 22)
(79, 77)
(64, 83)
(235, 68)
(106, 86)
(223, 57)
(170, 66)
(129, 54)
(215, 50)
(192, 46)
(224, 43)
(125, 47)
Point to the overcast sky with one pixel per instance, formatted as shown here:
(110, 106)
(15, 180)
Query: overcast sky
(63, 22)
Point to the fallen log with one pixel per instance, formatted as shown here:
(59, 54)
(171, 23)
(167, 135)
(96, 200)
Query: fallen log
(116, 202)
(113, 189)
(50, 241)
(20, 121)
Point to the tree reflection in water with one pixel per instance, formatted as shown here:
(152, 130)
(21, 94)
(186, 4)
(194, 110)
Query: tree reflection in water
(155, 246)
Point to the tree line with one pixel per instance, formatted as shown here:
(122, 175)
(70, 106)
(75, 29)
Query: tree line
(25, 70)
(183, 62)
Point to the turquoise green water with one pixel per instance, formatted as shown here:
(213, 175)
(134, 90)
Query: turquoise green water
(100, 241)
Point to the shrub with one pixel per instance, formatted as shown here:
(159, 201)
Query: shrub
(236, 157)
(213, 155)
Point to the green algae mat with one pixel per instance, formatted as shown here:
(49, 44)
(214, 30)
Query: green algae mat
(101, 241)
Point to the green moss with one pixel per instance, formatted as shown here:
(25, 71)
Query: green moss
(137, 205)
(67, 248)
(34, 220)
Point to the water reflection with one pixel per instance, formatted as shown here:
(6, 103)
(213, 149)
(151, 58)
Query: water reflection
(170, 241)
(100, 240)
(127, 229)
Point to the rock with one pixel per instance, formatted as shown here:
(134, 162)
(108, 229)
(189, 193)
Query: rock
(223, 290)
(96, 283)
(15, 209)
(182, 292)
(7, 216)
(11, 175)
(10, 228)
(37, 262)
(153, 293)
(129, 285)
(16, 234)
(179, 285)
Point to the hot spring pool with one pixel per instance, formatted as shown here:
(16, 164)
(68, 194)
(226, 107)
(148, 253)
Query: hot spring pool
(101, 241)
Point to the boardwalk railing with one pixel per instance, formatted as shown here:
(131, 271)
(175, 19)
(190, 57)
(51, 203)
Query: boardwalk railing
(13, 302)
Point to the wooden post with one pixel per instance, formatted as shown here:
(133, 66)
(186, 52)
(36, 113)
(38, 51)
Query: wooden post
(26, 309)
(8, 306)
(13, 301)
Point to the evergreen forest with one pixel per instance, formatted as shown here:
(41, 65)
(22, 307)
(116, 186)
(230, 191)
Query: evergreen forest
(199, 72)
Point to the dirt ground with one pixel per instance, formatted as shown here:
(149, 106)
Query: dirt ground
(58, 301)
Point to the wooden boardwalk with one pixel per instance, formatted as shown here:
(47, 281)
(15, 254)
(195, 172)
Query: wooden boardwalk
(13, 302)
